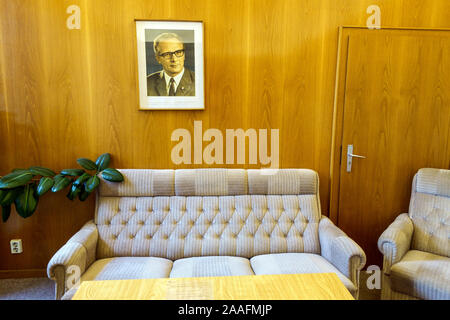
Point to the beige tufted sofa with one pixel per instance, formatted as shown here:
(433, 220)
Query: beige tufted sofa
(416, 246)
(207, 222)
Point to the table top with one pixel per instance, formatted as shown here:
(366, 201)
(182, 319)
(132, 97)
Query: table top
(309, 286)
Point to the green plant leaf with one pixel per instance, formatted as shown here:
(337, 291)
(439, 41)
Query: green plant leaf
(6, 211)
(83, 195)
(15, 179)
(61, 184)
(58, 177)
(113, 175)
(81, 179)
(3, 193)
(87, 164)
(45, 185)
(10, 196)
(91, 184)
(102, 161)
(72, 172)
(18, 169)
(27, 201)
(74, 191)
(41, 171)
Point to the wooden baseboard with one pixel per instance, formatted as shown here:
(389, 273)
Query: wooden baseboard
(24, 273)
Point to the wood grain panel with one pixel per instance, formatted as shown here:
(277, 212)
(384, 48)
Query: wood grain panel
(66, 93)
(23, 273)
(399, 122)
(227, 72)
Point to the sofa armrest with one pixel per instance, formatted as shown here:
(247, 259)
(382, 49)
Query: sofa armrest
(344, 253)
(395, 241)
(73, 258)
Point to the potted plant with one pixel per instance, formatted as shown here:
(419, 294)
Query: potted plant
(23, 187)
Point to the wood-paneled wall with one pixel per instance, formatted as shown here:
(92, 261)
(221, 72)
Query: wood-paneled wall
(66, 94)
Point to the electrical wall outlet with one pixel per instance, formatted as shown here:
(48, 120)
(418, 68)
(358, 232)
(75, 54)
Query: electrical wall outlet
(16, 246)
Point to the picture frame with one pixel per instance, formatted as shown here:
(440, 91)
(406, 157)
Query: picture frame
(170, 65)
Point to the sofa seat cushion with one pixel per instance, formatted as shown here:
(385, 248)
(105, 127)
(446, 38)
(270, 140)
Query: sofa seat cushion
(124, 268)
(211, 266)
(423, 275)
(288, 263)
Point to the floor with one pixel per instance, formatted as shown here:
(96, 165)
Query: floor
(27, 289)
(44, 289)
(364, 292)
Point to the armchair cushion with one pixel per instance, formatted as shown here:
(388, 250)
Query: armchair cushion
(213, 266)
(124, 268)
(395, 241)
(288, 263)
(423, 275)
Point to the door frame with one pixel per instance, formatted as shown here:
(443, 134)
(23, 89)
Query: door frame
(338, 110)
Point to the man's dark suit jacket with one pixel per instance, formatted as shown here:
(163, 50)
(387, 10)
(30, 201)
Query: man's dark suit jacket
(156, 84)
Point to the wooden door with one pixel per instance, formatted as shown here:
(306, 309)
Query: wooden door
(396, 113)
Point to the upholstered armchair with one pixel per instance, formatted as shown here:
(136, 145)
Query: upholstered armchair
(416, 246)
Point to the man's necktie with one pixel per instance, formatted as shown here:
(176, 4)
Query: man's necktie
(172, 87)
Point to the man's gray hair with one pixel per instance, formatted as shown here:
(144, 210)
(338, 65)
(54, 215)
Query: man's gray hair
(165, 36)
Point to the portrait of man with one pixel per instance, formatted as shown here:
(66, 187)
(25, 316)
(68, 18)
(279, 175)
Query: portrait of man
(170, 65)
(175, 79)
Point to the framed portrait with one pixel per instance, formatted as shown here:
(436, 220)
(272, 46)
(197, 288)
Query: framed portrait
(170, 65)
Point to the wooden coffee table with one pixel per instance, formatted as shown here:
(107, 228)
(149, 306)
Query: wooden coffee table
(311, 286)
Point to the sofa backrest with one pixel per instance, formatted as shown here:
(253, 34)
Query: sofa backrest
(199, 212)
(429, 210)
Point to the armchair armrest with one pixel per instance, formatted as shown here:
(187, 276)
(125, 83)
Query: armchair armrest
(395, 241)
(74, 257)
(344, 253)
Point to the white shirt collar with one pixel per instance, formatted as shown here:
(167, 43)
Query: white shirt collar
(177, 79)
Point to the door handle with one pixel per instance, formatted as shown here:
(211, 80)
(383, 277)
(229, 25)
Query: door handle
(350, 157)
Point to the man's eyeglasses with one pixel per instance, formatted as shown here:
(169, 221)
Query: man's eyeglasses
(168, 55)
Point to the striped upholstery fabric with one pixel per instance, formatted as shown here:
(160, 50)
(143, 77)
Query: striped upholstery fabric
(430, 211)
(433, 181)
(208, 212)
(422, 275)
(79, 252)
(340, 250)
(123, 269)
(211, 267)
(388, 294)
(416, 246)
(211, 182)
(395, 241)
(289, 263)
(140, 183)
(284, 181)
(178, 227)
